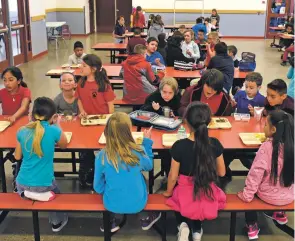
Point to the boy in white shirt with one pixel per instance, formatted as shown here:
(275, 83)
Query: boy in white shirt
(78, 55)
(189, 48)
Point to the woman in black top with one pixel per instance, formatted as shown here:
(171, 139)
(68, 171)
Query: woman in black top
(174, 51)
(166, 96)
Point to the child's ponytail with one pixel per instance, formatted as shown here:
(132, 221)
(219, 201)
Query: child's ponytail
(204, 168)
(283, 140)
(38, 135)
(43, 110)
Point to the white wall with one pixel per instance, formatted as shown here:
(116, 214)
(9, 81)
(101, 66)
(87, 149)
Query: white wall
(87, 20)
(49, 4)
(208, 4)
(69, 3)
(37, 7)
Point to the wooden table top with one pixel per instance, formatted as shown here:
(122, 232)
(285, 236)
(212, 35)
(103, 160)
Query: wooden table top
(113, 70)
(229, 138)
(109, 46)
(86, 137)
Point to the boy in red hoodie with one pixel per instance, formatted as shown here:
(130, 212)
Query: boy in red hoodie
(139, 79)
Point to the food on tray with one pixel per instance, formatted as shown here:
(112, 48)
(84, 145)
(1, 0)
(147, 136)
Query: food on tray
(138, 140)
(260, 136)
(143, 117)
(220, 120)
(97, 117)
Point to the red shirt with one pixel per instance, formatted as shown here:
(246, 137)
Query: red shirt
(12, 102)
(95, 102)
(140, 22)
(213, 102)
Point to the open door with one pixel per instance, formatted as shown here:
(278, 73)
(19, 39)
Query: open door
(277, 13)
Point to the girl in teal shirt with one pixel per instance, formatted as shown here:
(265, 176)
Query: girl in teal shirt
(35, 147)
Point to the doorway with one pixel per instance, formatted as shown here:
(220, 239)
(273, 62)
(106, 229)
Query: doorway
(277, 13)
(107, 10)
(91, 15)
(19, 18)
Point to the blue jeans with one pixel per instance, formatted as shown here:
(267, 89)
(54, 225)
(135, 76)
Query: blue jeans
(54, 217)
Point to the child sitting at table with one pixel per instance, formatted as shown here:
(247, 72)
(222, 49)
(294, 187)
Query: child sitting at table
(166, 96)
(156, 27)
(119, 166)
(291, 77)
(189, 48)
(232, 52)
(35, 147)
(139, 79)
(78, 55)
(277, 97)
(15, 100)
(182, 28)
(208, 90)
(197, 161)
(271, 176)
(213, 39)
(223, 63)
(95, 96)
(152, 55)
(285, 43)
(66, 102)
(162, 45)
(119, 30)
(137, 39)
(246, 100)
(199, 25)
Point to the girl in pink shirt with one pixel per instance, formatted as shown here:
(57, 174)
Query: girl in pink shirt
(15, 97)
(271, 176)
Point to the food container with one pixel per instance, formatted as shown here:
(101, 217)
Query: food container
(258, 112)
(4, 125)
(241, 117)
(219, 123)
(252, 139)
(166, 111)
(92, 120)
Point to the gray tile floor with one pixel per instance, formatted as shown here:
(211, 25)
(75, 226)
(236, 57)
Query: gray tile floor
(85, 226)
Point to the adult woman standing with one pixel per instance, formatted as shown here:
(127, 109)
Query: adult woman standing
(137, 18)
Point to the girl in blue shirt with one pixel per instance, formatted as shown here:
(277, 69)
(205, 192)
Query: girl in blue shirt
(290, 76)
(35, 147)
(118, 168)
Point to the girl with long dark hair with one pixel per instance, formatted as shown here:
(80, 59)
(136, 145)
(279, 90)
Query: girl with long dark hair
(197, 161)
(271, 176)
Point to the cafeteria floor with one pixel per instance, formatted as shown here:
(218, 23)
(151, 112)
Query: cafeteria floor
(84, 226)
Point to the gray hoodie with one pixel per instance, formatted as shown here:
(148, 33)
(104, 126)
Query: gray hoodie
(155, 30)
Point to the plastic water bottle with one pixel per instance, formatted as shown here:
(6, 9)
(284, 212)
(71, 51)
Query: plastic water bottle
(181, 134)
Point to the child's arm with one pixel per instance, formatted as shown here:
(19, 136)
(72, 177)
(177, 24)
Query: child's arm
(172, 178)
(196, 52)
(99, 178)
(147, 160)
(21, 111)
(220, 166)
(255, 174)
(18, 152)
(111, 107)
(81, 109)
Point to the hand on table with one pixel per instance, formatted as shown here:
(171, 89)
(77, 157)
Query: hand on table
(156, 106)
(11, 119)
(233, 103)
(83, 114)
(172, 114)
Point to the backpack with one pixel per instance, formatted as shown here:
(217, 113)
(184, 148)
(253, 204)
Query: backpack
(248, 62)
(180, 65)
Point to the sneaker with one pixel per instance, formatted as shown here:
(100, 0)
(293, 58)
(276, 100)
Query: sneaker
(284, 63)
(197, 235)
(183, 232)
(253, 231)
(37, 196)
(58, 227)
(280, 217)
(114, 226)
(148, 222)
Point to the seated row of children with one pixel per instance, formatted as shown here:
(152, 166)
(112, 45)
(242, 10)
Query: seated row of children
(197, 163)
